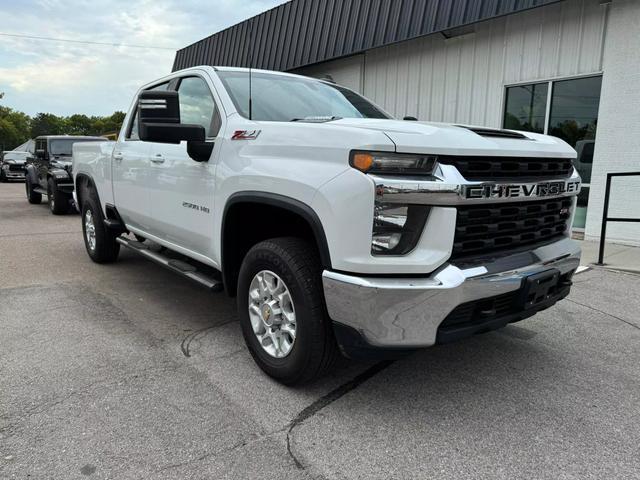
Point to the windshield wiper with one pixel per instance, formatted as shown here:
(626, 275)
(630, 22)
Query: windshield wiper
(318, 119)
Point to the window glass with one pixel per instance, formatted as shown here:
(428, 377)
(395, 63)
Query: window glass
(132, 133)
(62, 146)
(574, 117)
(197, 105)
(281, 98)
(526, 106)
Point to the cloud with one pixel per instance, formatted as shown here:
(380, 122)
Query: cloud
(65, 78)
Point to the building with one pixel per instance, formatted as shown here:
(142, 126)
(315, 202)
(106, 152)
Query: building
(570, 68)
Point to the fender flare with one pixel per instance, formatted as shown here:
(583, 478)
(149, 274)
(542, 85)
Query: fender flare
(31, 174)
(286, 203)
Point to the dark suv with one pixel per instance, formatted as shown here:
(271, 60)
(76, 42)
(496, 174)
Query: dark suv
(49, 171)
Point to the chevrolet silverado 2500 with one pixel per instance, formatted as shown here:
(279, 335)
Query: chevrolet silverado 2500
(337, 227)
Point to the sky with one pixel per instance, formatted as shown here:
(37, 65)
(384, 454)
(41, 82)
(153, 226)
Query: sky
(66, 78)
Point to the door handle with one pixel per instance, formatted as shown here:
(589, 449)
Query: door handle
(158, 158)
(118, 157)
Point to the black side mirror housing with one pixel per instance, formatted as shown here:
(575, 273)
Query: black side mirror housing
(159, 119)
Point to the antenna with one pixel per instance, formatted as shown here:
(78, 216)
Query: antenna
(250, 64)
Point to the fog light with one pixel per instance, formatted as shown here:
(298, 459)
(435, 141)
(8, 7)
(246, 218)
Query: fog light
(397, 228)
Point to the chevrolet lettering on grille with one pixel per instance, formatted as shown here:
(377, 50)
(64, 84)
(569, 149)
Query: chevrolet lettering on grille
(528, 190)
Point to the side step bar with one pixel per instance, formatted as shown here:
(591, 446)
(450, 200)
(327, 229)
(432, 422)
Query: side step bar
(185, 269)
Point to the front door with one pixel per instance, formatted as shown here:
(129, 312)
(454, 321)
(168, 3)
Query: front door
(182, 190)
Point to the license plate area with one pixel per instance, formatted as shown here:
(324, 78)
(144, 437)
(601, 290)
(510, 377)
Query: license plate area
(539, 287)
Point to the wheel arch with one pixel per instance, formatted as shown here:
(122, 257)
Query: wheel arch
(31, 174)
(301, 220)
(82, 184)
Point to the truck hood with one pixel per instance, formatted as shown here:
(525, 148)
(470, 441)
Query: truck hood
(450, 139)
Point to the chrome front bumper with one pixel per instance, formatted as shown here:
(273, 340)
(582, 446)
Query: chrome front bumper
(406, 312)
(14, 175)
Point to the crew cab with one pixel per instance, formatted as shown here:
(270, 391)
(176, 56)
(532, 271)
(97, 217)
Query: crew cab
(337, 227)
(48, 172)
(12, 165)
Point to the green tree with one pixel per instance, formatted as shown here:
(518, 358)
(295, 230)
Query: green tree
(15, 128)
(47, 124)
(79, 125)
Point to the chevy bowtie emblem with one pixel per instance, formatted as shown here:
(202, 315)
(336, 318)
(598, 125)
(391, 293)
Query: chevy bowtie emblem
(245, 134)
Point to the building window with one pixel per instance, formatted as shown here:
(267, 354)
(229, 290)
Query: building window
(526, 107)
(571, 114)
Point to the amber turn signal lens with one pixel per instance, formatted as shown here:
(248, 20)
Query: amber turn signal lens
(362, 161)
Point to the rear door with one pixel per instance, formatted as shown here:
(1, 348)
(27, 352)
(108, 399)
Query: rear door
(130, 172)
(181, 189)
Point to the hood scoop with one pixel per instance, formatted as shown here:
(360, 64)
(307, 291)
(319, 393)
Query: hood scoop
(490, 132)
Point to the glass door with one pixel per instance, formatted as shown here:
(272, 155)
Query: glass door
(567, 109)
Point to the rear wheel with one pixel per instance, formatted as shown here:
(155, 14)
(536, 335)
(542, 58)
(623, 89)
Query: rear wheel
(282, 311)
(34, 197)
(99, 241)
(58, 201)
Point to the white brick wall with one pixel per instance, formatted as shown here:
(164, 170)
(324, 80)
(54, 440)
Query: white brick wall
(618, 136)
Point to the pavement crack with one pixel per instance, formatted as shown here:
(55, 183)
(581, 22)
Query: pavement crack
(605, 313)
(186, 342)
(327, 400)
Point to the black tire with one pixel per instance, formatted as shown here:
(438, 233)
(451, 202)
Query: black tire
(105, 249)
(58, 201)
(34, 198)
(314, 350)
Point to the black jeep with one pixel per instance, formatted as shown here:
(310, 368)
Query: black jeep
(49, 171)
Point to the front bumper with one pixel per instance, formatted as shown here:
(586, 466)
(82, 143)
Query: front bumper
(14, 175)
(406, 313)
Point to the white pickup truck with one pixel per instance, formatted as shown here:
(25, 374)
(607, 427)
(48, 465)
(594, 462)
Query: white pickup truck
(337, 227)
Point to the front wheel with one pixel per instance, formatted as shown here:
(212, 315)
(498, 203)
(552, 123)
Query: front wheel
(282, 311)
(33, 197)
(99, 241)
(58, 201)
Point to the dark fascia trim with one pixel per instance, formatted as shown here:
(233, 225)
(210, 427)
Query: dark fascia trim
(286, 203)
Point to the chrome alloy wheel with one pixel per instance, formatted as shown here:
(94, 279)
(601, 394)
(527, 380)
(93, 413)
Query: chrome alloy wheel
(272, 314)
(90, 230)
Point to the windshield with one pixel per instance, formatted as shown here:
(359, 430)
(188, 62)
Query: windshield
(63, 146)
(281, 98)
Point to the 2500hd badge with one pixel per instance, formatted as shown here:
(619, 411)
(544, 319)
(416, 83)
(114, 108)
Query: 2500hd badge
(521, 190)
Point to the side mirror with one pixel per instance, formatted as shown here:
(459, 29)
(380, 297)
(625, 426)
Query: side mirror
(159, 119)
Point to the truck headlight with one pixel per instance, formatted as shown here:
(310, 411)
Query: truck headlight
(393, 163)
(397, 228)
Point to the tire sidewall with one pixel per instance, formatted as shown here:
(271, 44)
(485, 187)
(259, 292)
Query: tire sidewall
(293, 364)
(90, 204)
(51, 197)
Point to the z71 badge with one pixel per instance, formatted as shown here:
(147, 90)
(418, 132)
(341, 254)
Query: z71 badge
(527, 190)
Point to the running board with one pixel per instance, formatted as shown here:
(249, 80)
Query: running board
(185, 269)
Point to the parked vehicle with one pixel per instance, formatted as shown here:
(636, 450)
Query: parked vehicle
(48, 172)
(337, 227)
(12, 165)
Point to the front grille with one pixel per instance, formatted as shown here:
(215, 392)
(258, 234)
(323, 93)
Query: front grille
(16, 168)
(492, 168)
(495, 227)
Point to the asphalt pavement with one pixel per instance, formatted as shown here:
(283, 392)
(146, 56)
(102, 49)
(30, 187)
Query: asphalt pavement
(127, 371)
